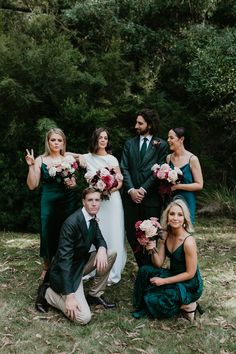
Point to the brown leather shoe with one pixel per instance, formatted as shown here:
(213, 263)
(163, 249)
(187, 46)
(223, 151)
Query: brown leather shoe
(92, 300)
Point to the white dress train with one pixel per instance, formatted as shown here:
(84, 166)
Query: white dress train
(110, 216)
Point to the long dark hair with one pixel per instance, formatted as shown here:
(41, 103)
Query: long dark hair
(93, 148)
(151, 117)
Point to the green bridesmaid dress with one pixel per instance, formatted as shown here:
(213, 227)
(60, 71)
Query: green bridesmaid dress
(165, 301)
(57, 203)
(188, 197)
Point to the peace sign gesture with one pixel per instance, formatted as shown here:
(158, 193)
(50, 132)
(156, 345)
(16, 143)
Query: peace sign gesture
(30, 157)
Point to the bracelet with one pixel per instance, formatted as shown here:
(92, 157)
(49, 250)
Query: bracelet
(153, 251)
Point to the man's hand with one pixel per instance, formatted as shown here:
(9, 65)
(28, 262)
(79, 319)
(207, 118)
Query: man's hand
(71, 305)
(137, 195)
(101, 259)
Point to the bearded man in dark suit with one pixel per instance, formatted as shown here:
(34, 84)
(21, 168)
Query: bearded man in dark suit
(75, 258)
(141, 197)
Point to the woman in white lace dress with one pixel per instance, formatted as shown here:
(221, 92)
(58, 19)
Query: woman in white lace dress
(111, 214)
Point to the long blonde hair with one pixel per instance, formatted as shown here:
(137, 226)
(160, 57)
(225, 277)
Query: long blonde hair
(47, 137)
(188, 226)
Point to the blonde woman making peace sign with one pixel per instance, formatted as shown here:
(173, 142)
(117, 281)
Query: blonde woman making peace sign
(58, 198)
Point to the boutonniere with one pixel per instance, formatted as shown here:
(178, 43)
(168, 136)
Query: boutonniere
(156, 143)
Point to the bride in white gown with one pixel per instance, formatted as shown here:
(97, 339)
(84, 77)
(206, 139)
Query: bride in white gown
(111, 214)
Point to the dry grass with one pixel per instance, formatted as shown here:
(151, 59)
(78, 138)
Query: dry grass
(23, 330)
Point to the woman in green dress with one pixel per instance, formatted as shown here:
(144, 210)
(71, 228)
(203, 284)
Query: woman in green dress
(190, 166)
(161, 292)
(58, 198)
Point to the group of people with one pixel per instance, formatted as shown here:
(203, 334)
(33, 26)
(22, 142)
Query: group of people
(75, 242)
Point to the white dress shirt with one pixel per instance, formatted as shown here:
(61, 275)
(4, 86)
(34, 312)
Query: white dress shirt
(88, 217)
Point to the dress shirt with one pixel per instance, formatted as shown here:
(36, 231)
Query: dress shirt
(88, 217)
(149, 138)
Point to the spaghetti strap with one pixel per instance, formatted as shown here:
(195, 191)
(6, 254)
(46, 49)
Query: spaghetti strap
(190, 157)
(186, 238)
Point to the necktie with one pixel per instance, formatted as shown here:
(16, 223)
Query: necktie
(91, 230)
(143, 148)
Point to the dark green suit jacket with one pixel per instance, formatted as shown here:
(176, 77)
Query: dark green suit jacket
(138, 173)
(73, 253)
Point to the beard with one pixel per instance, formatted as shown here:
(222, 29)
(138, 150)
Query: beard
(142, 131)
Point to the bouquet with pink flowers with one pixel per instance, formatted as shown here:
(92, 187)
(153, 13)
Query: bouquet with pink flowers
(104, 180)
(148, 230)
(63, 169)
(167, 177)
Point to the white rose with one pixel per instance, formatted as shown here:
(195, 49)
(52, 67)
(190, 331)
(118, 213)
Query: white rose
(178, 170)
(104, 172)
(52, 171)
(146, 224)
(100, 185)
(155, 167)
(88, 176)
(172, 176)
(151, 231)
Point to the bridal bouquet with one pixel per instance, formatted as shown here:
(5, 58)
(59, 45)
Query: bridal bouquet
(62, 169)
(167, 177)
(104, 180)
(148, 230)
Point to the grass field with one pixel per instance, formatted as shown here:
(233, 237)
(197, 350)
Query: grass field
(23, 330)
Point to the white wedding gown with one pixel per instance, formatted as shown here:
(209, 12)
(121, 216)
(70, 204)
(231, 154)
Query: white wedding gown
(110, 216)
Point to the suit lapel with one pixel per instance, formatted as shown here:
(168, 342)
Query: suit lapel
(149, 153)
(136, 149)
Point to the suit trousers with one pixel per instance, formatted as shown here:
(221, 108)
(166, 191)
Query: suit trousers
(83, 314)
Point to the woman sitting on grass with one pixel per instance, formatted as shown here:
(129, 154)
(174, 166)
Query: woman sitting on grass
(160, 292)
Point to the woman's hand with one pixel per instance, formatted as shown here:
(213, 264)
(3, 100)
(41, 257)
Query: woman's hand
(81, 160)
(70, 182)
(157, 281)
(29, 158)
(175, 187)
(150, 245)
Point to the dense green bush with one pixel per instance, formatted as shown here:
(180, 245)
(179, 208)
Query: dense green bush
(84, 64)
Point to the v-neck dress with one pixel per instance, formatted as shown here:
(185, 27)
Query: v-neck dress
(187, 196)
(165, 301)
(57, 203)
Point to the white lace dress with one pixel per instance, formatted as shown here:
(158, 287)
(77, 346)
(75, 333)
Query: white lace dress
(111, 216)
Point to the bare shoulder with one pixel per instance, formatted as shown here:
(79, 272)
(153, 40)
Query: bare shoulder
(168, 158)
(191, 156)
(39, 159)
(189, 243)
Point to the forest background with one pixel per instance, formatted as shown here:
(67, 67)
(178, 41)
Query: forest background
(84, 64)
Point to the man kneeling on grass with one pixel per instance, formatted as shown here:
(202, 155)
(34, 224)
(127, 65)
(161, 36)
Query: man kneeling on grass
(63, 285)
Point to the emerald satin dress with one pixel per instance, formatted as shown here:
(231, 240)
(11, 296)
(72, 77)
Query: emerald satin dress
(188, 197)
(57, 203)
(165, 301)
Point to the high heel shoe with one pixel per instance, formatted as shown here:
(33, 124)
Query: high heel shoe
(191, 315)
